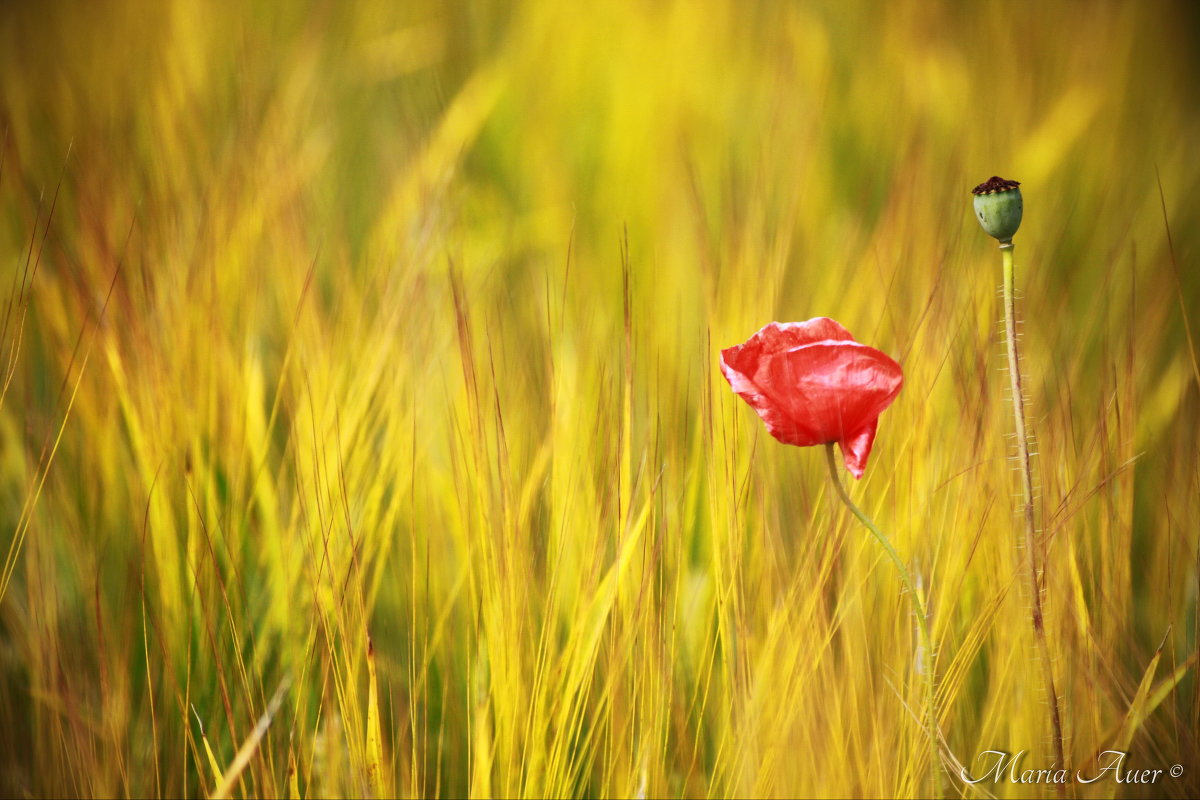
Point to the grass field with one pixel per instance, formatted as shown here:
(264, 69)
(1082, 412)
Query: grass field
(337, 328)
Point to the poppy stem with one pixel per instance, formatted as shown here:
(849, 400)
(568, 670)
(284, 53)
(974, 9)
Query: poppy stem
(919, 606)
(1035, 594)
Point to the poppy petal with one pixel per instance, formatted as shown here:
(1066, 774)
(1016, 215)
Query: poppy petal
(778, 423)
(777, 337)
(857, 447)
(831, 389)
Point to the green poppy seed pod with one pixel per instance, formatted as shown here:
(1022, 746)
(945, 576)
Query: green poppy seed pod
(998, 207)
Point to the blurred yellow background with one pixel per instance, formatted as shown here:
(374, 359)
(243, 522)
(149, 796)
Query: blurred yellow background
(334, 320)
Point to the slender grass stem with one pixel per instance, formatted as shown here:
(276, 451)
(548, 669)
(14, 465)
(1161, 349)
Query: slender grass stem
(1035, 594)
(935, 771)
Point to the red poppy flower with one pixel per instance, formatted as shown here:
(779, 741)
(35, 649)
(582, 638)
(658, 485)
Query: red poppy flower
(813, 384)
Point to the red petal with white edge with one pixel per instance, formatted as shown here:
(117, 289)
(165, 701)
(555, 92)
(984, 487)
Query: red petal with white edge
(776, 337)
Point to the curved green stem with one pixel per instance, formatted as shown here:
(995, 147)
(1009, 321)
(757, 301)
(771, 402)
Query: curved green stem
(1031, 567)
(918, 601)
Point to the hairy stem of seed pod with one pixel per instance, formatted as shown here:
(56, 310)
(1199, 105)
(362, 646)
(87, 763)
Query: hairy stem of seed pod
(918, 600)
(1035, 594)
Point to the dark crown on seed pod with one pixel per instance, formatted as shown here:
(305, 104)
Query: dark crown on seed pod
(995, 184)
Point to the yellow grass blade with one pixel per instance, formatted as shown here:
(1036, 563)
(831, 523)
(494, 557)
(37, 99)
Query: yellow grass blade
(208, 753)
(375, 761)
(1145, 702)
(1138, 709)
(246, 752)
(293, 778)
